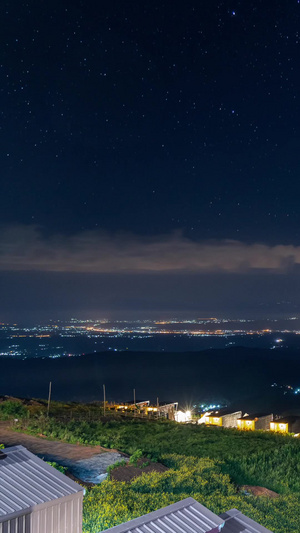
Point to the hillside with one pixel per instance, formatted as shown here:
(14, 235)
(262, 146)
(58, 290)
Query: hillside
(210, 464)
(216, 466)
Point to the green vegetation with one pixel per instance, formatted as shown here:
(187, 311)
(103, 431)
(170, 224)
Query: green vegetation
(138, 454)
(112, 502)
(253, 458)
(12, 409)
(64, 411)
(206, 463)
(58, 467)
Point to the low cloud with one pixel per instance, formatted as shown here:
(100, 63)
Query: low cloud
(24, 248)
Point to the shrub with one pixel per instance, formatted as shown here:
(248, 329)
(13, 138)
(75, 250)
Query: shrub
(58, 467)
(112, 503)
(11, 409)
(138, 454)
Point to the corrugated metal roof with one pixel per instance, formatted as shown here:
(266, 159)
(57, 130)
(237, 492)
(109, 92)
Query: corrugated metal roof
(255, 415)
(237, 522)
(219, 413)
(287, 420)
(187, 516)
(26, 481)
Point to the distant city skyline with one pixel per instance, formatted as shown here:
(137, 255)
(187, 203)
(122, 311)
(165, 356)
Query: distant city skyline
(76, 337)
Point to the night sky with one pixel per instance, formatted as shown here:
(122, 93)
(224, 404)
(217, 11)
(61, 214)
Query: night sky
(150, 158)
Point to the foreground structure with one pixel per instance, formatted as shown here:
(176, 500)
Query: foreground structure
(189, 516)
(237, 522)
(35, 497)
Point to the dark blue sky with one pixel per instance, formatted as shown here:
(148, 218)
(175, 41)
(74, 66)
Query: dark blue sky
(144, 119)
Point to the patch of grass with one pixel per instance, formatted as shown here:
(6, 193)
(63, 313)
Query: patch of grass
(12, 409)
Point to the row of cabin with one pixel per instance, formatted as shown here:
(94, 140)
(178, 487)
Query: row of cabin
(266, 422)
(164, 409)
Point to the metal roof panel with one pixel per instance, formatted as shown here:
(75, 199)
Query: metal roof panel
(186, 516)
(27, 481)
(237, 522)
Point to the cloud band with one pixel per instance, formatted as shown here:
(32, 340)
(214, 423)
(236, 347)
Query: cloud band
(24, 248)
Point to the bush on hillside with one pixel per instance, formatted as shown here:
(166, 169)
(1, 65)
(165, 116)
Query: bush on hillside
(11, 409)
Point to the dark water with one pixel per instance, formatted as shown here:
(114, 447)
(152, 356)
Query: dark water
(239, 377)
(57, 346)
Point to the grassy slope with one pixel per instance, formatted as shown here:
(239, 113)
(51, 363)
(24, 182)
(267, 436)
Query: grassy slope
(206, 463)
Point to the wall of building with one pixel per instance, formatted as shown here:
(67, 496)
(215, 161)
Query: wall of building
(246, 424)
(264, 422)
(230, 420)
(213, 421)
(64, 517)
(295, 427)
(21, 524)
(59, 516)
(279, 427)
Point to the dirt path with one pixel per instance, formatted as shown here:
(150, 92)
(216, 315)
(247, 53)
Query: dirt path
(55, 450)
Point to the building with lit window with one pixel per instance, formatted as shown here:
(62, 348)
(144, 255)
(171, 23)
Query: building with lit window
(289, 424)
(225, 419)
(255, 422)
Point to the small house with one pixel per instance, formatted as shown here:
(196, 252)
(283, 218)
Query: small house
(167, 409)
(289, 424)
(130, 406)
(255, 422)
(185, 516)
(35, 497)
(188, 516)
(222, 418)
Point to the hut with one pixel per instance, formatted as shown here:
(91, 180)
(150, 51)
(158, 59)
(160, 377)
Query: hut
(255, 421)
(289, 424)
(189, 516)
(35, 497)
(167, 409)
(222, 418)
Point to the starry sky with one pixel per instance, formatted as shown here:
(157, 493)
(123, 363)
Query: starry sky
(150, 157)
